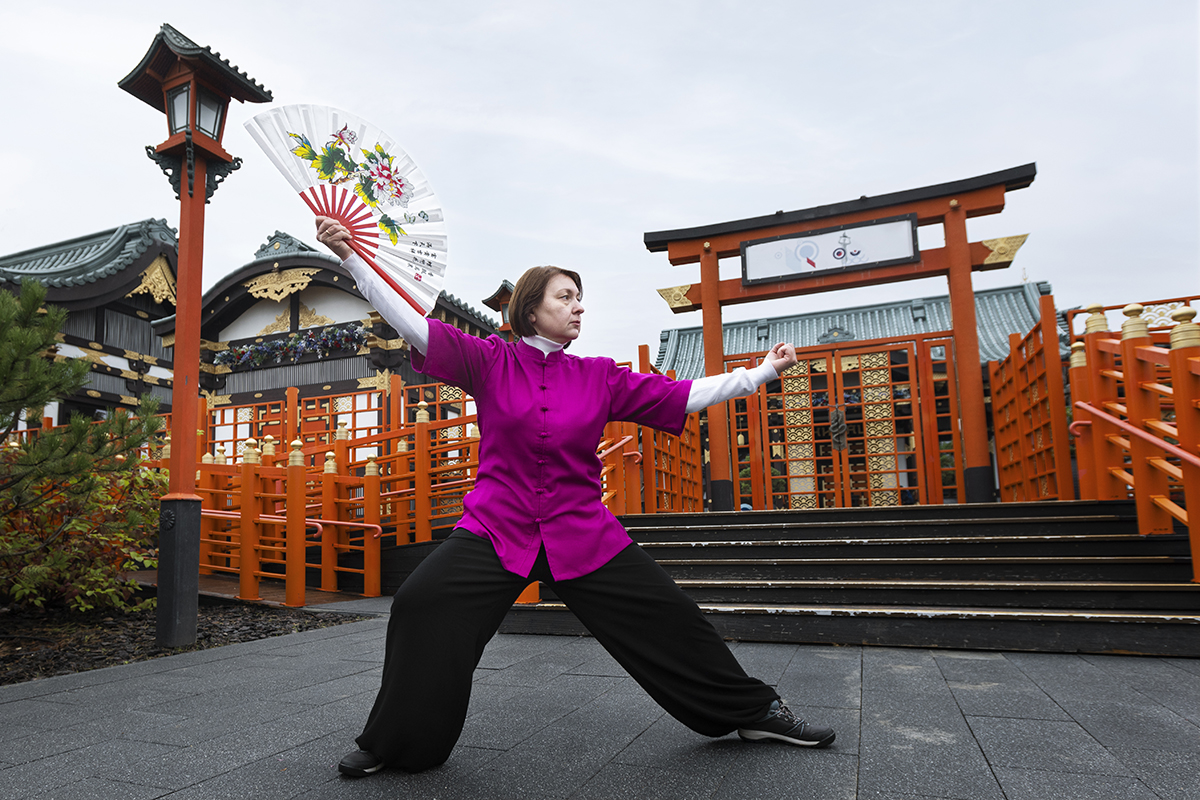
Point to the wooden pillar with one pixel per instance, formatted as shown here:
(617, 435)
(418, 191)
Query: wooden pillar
(372, 578)
(1185, 380)
(720, 475)
(248, 533)
(291, 415)
(329, 535)
(1143, 407)
(1085, 450)
(297, 498)
(977, 472)
(179, 512)
(1058, 406)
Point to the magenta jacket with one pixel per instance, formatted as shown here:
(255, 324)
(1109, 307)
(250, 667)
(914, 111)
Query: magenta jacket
(540, 420)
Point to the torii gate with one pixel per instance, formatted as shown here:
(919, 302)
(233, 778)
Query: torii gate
(812, 250)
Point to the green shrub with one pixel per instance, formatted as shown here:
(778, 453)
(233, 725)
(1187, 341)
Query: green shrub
(75, 547)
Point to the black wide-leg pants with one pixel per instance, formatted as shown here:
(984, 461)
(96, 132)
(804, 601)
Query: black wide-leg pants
(453, 603)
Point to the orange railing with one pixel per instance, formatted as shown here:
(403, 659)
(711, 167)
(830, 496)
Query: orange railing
(1030, 417)
(1137, 405)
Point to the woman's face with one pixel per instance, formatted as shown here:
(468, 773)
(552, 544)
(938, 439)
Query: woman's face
(557, 318)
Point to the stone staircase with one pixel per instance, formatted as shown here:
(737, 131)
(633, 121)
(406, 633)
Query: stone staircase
(1051, 577)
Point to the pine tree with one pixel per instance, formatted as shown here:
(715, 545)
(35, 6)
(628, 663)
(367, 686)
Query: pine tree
(67, 510)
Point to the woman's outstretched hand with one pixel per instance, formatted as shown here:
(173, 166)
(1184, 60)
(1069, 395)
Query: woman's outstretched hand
(334, 235)
(782, 356)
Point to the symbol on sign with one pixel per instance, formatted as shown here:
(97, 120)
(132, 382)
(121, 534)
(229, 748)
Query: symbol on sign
(807, 252)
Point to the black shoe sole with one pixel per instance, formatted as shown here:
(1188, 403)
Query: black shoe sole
(762, 736)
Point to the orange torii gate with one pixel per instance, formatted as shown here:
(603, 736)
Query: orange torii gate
(812, 250)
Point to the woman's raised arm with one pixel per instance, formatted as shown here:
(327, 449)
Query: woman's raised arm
(395, 311)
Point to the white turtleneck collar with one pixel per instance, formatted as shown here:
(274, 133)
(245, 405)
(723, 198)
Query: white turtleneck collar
(547, 346)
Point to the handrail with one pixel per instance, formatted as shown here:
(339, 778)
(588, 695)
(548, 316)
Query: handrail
(1138, 432)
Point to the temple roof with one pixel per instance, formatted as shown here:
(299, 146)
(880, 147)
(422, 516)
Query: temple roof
(90, 270)
(999, 312)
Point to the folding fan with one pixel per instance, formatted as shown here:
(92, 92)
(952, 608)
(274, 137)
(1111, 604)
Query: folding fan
(346, 168)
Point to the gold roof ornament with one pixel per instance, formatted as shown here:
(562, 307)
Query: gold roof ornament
(276, 285)
(676, 296)
(1003, 249)
(157, 281)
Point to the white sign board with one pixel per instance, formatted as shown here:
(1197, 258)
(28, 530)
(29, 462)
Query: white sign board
(873, 244)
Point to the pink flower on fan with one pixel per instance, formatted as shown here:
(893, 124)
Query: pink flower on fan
(390, 187)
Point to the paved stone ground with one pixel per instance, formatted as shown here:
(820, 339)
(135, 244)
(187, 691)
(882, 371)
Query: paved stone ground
(555, 717)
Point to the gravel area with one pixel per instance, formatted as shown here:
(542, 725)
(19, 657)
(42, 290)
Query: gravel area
(39, 644)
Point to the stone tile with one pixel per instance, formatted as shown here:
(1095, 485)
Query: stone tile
(1173, 775)
(1158, 679)
(1031, 784)
(613, 781)
(1047, 745)
(1191, 665)
(100, 789)
(767, 662)
(827, 677)
(996, 688)
(1125, 725)
(1063, 677)
(814, 773)
(922, 751)
(504, 651)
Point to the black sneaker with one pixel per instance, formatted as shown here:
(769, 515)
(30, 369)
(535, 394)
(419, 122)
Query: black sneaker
(359, 764)
(780, 723)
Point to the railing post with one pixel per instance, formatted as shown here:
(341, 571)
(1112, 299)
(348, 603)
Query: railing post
(248, 524)
(1185, 382)
(423, 506)
(329, 536)
(291, 415)
(205, 483)
(1104, 390)
(1057, 400)
(1085, 450)
(371, 554)
(1140, 406)
(294, 560)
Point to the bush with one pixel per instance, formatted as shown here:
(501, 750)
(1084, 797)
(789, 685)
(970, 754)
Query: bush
(74, 548)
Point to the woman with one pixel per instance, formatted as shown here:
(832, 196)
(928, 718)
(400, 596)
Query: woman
(535, 514)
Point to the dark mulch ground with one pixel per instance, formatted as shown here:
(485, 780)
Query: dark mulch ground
(36, 644)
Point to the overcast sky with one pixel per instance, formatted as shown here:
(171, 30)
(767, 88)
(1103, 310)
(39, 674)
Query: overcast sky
(561, 132)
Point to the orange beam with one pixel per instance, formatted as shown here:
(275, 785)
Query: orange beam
(933, 263)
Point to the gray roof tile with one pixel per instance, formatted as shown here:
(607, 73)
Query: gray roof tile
(999, 312)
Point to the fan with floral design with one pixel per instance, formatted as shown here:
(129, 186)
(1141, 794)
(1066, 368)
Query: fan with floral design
(346, 168)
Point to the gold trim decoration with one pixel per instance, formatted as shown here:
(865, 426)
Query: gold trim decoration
(215, 369)
(168, 340)
(676, 296)
(93, 393)
(215, 400)
(311, 319)
(386, 344)
(1004, 249)
(215, 347)
(282, 324)
(379, 383)
(129, 401)
(157, 281)
(132, 356)
(277, 285)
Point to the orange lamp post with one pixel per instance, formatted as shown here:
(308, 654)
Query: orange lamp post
(192, 85)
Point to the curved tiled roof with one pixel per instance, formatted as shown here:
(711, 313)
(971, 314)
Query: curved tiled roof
(77, 262)
(998, 312)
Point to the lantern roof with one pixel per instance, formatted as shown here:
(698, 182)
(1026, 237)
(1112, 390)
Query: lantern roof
(146, 79)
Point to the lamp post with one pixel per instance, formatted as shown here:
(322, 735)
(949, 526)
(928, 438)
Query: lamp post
(192, 85)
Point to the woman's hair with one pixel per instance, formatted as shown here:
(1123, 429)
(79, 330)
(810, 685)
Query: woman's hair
(528, 294)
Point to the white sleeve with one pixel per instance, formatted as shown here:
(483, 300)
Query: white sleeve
(390, 305)
(718, 388)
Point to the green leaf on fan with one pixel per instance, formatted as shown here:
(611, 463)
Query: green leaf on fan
(391, 228)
